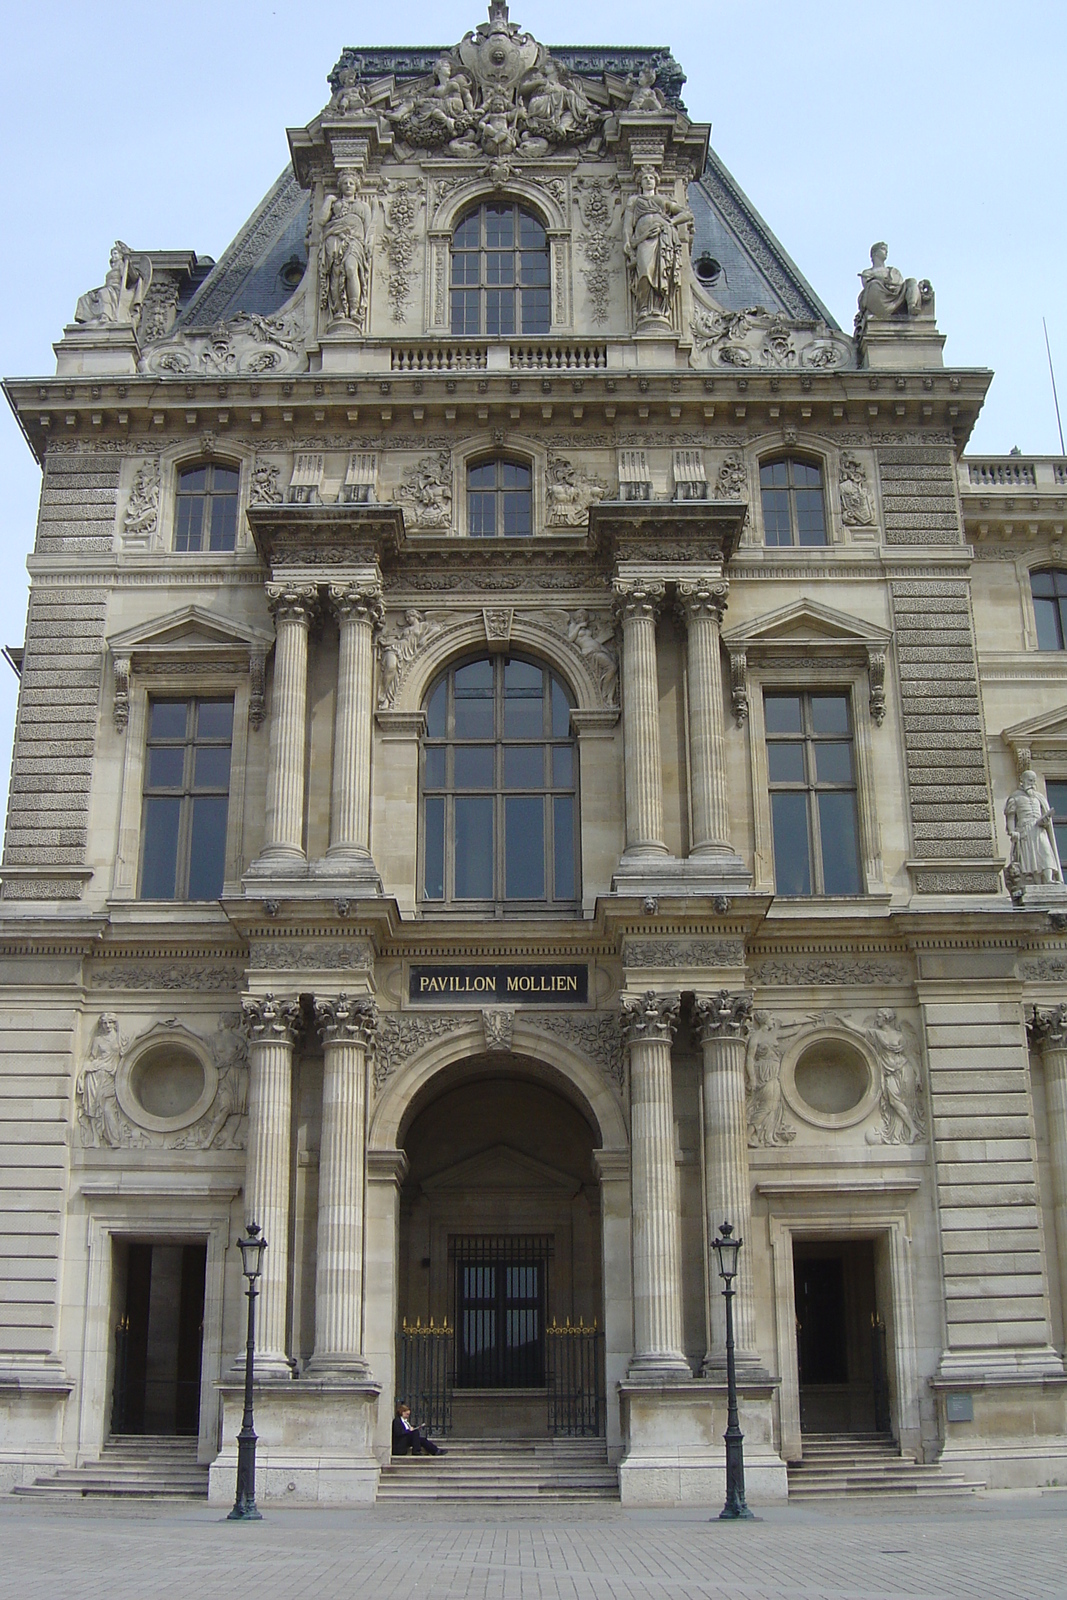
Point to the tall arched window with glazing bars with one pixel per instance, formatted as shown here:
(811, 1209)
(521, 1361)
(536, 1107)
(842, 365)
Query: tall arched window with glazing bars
(500, 274)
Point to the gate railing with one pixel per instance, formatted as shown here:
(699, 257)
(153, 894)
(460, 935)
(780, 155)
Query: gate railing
(425, 1368)
(574, 1363)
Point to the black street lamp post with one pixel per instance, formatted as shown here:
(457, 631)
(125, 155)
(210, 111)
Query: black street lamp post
(727, 1249)
(244, 1506)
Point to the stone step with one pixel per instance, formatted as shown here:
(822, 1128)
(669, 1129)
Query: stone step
(131, 1467)
(868, 1464)
(505, 1471)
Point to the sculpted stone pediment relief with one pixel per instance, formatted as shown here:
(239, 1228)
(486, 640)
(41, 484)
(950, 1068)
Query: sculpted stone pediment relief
(809, 634)
(500, 1167)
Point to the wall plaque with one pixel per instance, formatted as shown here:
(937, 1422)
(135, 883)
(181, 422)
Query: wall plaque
(507, 983)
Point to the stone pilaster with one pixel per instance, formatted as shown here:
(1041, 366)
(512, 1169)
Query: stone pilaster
(271, 1026)
(638, 603)
(702, 603)
(1048, 1033)
(724, 1021)
(650, 1023)
(358, 606)
(348, 1027)
(283, 837)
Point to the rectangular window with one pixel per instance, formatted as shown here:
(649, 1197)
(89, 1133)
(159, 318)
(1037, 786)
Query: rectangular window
(811, 771)
(1056, 791)
(186, 798)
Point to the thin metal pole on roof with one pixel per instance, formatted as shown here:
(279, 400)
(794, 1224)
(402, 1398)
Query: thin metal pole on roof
(1055, 396)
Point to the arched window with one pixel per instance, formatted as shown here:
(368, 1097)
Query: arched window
(791, 494)
(499, 499)
(499, 787)
(500, 276)
(1049, 589)
(207, 508)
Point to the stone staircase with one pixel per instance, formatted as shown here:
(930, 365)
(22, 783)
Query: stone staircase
(837, 1464)
(504, 1471)
(131, 1467)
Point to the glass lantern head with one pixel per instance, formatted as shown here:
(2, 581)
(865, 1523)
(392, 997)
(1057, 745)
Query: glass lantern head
(252, 1248)
(727, 1249)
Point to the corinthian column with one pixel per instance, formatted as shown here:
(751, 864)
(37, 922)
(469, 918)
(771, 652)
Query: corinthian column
(359, 610)
(271, 1026)
(702, 603)
(283, 841)
(637, 604)
(650, 1024)
(1048, 1033)
(348, 1028)
(724, 1023)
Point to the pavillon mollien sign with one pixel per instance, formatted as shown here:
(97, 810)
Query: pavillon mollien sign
(550, 983)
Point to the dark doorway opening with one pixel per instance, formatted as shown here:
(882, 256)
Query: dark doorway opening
(501, 1287)
(159, 1337)
(841, 1338)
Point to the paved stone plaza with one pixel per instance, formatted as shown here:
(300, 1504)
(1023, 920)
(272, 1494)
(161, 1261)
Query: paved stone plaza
(990, 1548)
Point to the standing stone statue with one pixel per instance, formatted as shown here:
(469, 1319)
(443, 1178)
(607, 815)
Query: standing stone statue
(656, 235)
(101, 1122)
(345, 254)
(121, 295)
(901, 1103)
(1034, 857)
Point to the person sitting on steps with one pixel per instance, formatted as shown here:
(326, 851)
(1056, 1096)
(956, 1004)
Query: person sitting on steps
(409, 1440)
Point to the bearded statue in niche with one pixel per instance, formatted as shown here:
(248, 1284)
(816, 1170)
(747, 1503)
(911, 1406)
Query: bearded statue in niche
(1035, 857)
(349, 225)
(656, 235)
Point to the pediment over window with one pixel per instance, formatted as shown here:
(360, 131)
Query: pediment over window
(188, 638)
(1038, 738)
(501, 1167)
(807, 634)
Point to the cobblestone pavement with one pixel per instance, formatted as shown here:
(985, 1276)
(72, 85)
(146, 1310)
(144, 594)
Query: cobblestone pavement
(995, 1547)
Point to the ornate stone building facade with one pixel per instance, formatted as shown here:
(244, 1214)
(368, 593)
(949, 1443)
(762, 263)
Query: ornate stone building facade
(523, 753)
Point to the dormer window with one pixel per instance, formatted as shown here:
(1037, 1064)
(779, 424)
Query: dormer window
(791, 496)
(207, 508)
(500, 274)
(499, 500)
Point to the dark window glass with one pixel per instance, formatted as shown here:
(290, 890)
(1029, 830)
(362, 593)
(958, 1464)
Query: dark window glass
(499, 500)
(1049, 589)
(186, 797)
(499, 787)
(811, 772)
(1056, 792)
(791, 494)
(500, 274)
(207, 509)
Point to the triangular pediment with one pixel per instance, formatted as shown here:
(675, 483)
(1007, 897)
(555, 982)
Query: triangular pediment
(806, 622)
(1046, 733)
(501, 1167)
(191, 630)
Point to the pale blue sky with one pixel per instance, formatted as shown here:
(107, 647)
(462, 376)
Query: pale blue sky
(937, 125)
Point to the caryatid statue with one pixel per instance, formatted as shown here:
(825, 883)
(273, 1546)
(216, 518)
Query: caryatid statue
(349, 225)
(121, 295)
(1035, 857)
(656, 235)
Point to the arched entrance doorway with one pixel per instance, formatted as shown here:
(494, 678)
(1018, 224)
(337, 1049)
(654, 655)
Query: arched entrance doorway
(500, 1244)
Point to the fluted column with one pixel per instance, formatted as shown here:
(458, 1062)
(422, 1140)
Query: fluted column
(702, 603)
(637, 604)
(724, 1023)
(348, 1027)
(292, 605)
(1048, 1033)
(359, 610)
(650, 1023)
(271, 1026)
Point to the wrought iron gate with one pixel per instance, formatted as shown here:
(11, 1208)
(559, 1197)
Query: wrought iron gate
(574, 1361)
(425, 1366)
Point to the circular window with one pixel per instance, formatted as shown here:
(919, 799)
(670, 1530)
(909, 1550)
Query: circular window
(167, 1082)
(707, 269)
(831, 1077)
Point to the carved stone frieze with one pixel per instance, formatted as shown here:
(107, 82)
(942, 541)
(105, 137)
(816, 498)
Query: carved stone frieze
(305, 955)
(1044, 969)
(597, 1035)
(684, 952)
(221, 977)
(815, 971)
(398, 645)
(401, 1034)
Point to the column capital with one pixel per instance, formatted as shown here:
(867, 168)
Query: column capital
(723, 1016)
(266, 1020)
(637, 597)
(652, 1018)
(1047, 1028)
(292, 602)
(343, 1020)
(359, 599)
(703, 597)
